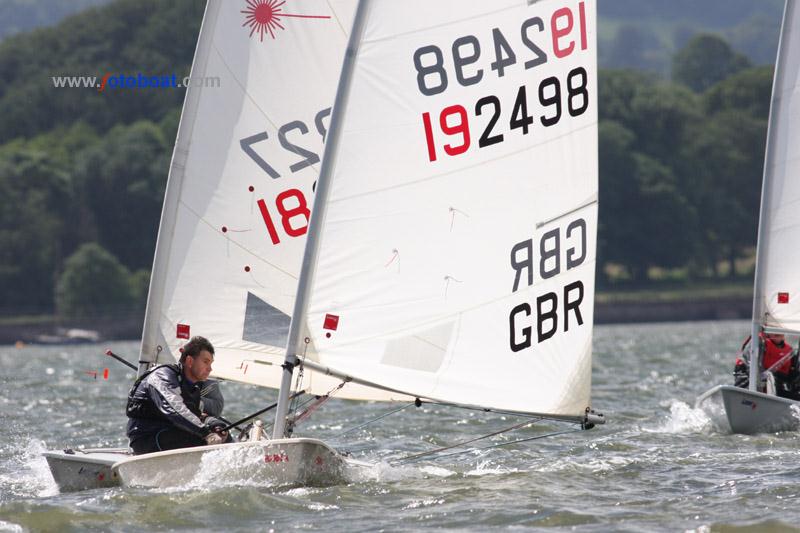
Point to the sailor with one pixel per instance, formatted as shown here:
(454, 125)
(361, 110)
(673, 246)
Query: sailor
(741, 368)
(166, 406)
(777, 360)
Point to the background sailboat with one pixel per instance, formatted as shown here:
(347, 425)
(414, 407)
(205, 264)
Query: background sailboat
(240, 188)
(776, 303)
(238, 197)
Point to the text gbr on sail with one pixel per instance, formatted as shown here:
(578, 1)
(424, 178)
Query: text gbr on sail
(567, 241)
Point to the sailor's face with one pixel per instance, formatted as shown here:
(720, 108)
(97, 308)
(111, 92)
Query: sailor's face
(198, 368)
(776, 338)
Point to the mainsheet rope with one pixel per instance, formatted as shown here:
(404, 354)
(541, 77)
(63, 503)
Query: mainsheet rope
(509, 443)
(418, 456)
(320, 400)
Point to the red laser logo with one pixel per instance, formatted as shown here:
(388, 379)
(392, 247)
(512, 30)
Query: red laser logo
(264, 16)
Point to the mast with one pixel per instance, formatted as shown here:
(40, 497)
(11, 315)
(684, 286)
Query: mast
(762, 246)
(149, 350)
(298, 325)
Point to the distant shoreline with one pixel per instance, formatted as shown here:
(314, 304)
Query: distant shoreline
(627, 311)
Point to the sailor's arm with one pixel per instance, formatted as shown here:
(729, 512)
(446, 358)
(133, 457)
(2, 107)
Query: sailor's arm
(211, 400)
(165, 392)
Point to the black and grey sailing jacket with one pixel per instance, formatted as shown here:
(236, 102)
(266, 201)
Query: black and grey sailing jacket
(163, 398)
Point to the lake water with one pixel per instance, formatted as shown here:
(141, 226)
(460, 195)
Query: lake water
(657, 465)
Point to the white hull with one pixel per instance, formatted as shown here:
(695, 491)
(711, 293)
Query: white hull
(280, 462)
(749, 412)
(85, 469)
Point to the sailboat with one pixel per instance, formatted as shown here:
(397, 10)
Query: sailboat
(776, 295)
(450, 251)
(229, 253)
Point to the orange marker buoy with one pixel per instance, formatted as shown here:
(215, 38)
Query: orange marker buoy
(105, 373)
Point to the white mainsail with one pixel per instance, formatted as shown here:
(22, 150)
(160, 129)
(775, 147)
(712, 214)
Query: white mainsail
(452, 253)
(777, 287)
(240, 188)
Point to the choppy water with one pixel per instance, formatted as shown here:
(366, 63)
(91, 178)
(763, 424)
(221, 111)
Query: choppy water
(658, 465)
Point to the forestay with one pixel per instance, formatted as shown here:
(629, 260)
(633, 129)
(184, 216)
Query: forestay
(456, 251)
(777, 294)
(241, 183)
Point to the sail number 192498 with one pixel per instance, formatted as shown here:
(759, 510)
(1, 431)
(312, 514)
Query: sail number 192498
(449, 130)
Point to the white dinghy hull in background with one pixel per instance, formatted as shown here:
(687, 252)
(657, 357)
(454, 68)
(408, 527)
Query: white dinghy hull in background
(280, 462)
(749, 412)
(84, 469)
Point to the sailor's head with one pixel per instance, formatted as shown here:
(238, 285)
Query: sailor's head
(776, 338)
(197, 356)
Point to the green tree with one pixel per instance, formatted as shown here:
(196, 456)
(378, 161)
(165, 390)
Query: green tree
(706, 60)
(124, 37)
(122, 179)
(659, 114)
(169, 125)
(747, 92)
(662, 117)
(35, 199)
(616, 192)
(93, 283)
(645, 220)
(140, 285)
(727, 156)
(617, 89)
(724, 165)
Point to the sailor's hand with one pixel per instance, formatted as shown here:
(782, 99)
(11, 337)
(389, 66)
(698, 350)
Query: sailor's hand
(214, 424)
(216, 438)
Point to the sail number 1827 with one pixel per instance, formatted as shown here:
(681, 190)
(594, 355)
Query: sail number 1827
(290, 204)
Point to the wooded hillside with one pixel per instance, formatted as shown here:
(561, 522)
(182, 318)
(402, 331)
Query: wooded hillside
(681, 159)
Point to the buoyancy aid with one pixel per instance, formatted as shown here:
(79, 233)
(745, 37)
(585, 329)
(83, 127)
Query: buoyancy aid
(774, 353)
(141, 406)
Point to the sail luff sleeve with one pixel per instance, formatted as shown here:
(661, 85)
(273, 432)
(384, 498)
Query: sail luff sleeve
(152, 337)
(298, 327)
